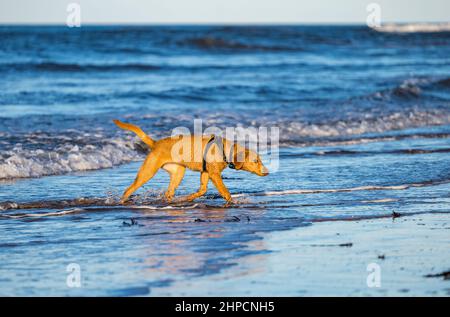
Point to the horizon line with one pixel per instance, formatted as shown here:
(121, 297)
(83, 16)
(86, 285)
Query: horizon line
(355, 23)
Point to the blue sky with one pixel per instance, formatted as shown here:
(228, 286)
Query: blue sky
(223, 11)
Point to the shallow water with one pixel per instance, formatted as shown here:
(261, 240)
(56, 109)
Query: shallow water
(364, 131)
(169, 244)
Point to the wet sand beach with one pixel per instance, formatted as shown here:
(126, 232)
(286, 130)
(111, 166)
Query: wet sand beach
(336, 258)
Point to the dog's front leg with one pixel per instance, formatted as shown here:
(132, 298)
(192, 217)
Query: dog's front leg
(204, 178)
(223, 191)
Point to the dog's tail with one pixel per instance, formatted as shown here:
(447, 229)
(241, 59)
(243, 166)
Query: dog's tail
(134, 128)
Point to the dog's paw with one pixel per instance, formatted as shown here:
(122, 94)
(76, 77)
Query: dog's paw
(230, 203)
(125, 202)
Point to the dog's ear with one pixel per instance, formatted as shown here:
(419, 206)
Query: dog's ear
(238, 157)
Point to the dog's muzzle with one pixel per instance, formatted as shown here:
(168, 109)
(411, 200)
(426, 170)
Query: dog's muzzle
(264, 171)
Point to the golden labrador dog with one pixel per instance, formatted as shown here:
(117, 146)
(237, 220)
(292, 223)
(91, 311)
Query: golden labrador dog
(209, 155)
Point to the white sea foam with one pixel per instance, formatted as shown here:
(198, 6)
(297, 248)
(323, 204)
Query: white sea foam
(78, 210)
(370, 124)
(295, 127)
(46, 214)
(414, 27)
(329, 190)
(64, 157)
(161, 207)
(301, 191)
(382, 200)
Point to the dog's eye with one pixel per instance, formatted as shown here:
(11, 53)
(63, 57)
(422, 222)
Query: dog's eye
(255, 161)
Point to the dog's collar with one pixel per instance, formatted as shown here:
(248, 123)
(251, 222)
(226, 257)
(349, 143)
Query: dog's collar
(219, 142)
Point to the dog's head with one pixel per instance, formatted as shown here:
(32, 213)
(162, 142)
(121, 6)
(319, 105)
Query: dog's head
(248, 160)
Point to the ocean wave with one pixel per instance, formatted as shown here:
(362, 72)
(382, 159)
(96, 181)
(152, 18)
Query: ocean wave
(43, 153)
(443, 83)
(303, 191)
(154, 197)
(409, 89)
(46, 214)
(293, 132)
(205, 65)
(146, 67)
(73, 67)
(54, 155)
(217, 43)
(359, 153)
(414, 28)
(401, 107)
(96, 204)
(320, 191)
(65, 156)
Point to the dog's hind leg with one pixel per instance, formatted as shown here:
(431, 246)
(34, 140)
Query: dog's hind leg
(176, 176)
(146, 172)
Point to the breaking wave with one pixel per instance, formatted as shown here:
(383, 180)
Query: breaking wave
(414, 28)
(41, 154)
(371, 124)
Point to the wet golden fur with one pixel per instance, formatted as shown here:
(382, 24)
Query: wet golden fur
(175, 154)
